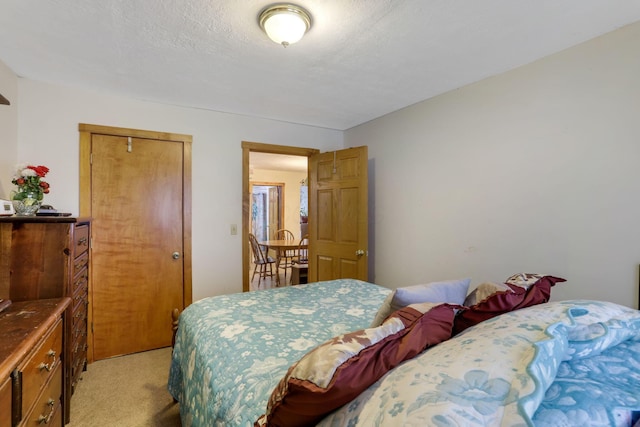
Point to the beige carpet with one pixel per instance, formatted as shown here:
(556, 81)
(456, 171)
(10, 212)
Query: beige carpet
(127, 391)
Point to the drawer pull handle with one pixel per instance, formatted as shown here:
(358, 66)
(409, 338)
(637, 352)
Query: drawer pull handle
(82, 241)
(45, 419)
(44, 366)
(51, 353)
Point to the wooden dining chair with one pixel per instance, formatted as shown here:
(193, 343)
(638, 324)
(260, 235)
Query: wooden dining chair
(262, 261)
(285, 256)
(300, 262)
(301, 255)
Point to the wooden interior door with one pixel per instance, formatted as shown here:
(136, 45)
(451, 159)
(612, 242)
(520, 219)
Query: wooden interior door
(139, 267)
(274, 211)
(338, 215)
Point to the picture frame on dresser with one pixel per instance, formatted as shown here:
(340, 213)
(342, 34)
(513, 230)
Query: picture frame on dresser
(49, 257)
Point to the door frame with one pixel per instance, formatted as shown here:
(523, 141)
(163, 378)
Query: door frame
(86, 131)
(257, 147)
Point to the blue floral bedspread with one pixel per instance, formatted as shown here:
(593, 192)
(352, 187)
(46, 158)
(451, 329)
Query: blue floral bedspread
(232, 350)
(569, 363)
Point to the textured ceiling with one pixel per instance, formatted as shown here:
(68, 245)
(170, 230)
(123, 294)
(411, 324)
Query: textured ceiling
(360, 60)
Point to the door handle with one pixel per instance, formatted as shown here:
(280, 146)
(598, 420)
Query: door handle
(175, 255)
(360, 252)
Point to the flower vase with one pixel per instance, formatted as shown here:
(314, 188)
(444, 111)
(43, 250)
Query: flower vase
(26, 203)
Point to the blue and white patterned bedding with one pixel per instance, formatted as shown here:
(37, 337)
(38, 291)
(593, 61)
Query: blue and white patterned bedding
(584, 354)
(568, 363)
(232, 350)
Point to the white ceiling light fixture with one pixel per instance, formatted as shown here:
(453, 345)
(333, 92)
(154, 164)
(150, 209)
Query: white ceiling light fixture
(284, 23)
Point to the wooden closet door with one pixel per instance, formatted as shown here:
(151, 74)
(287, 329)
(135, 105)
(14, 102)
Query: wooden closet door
(137, 242)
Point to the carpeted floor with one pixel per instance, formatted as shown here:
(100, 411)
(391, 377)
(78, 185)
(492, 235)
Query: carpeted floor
(126, 391)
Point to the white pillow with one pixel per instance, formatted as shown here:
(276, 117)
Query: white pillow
(449, 291)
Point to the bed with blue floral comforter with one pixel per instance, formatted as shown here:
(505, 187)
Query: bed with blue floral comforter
(232, 350)
(567, 363)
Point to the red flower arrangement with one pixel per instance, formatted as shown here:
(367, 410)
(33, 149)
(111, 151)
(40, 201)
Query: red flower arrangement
(29, 180)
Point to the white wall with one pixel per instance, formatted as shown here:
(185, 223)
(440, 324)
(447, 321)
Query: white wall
(8, 129)
(48, 134)
(534, 170)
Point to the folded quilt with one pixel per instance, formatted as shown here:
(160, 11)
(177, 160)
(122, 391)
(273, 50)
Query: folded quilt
(546, 365)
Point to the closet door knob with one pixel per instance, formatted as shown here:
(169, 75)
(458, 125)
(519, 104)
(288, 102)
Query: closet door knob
(175, 255)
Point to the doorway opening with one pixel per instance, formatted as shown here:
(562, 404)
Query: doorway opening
(247, 149)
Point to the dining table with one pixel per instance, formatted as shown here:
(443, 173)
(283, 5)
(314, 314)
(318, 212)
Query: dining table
(280, 247)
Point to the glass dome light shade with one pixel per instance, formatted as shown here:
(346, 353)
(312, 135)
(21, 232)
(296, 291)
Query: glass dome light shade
(285, 24)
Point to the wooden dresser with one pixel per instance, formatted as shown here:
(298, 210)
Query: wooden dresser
(32, 368)
(48, 257)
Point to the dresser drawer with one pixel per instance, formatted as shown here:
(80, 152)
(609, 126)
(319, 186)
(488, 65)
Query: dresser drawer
(48, 405)
(39, 367)
(79, 350)
(79, 289)
(79, 364)
(5, 402)
(79, 324)
(79, 345)
(80, 239)
(56, 420)
(78, 367)
(80, 262)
